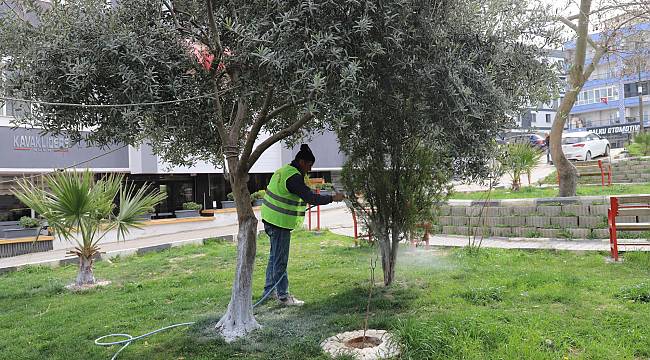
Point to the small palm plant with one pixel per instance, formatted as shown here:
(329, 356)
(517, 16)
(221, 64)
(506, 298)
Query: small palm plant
(520, 159)
(83, 211)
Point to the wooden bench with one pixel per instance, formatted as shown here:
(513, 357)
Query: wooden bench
(628, 205)
(25, 245)
(595, 168)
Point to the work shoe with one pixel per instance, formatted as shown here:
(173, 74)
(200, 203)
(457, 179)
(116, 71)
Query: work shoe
(272, 296)
(289, 300)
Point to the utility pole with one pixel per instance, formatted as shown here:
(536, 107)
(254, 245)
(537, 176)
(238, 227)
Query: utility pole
(639, 90)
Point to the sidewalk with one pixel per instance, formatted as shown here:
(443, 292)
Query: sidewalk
(338, 220)
(330, 217)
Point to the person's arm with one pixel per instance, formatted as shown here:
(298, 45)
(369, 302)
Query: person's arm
(296, 185)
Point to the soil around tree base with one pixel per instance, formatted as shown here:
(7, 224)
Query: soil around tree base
(378, 344)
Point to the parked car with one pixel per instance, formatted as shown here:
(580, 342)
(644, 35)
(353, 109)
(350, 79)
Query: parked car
(584, 145)
(531, 139)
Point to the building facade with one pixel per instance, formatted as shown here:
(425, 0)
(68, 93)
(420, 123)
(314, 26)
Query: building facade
(540, 117)
(28, 152)
(608, 103)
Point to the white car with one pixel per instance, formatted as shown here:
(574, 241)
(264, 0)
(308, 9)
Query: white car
(584, 145)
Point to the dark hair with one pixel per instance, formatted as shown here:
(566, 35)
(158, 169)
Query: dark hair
(305, 154)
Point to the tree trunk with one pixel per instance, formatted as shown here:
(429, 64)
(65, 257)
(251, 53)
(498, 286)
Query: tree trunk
(238, 319)
(383, 238)
(516, 182)
(567, 172)
(85, 275)
(388, 245)
(578, 75)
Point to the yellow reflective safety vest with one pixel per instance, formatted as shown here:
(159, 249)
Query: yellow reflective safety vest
(281, 207)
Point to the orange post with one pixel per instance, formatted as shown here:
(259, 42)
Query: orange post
(611, 219)
(602, 173)
(308, 217)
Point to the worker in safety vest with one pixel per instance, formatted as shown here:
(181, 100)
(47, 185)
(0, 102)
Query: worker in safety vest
(282, 211)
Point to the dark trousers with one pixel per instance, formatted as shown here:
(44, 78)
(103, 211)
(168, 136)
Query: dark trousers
(278, 259)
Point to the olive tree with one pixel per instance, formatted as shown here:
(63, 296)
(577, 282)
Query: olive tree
(198, 80)
(437, 113)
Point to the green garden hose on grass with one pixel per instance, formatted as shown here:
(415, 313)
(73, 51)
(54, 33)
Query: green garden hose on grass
(129, 338)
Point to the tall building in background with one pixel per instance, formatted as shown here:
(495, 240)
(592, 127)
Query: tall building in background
(540, 117)
(609, 101)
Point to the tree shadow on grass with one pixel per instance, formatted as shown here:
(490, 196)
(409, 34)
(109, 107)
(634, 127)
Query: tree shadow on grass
(296, 333)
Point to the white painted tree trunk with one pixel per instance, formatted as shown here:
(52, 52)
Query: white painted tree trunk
(239, 320)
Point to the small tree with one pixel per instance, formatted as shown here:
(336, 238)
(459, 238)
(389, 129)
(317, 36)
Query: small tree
(432, 109)
(519, 159)
(83, 211)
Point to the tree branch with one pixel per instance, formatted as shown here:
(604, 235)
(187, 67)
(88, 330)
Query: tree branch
(238, 120)
(610, 7)
(257, 125)
(574, 27)
(285, 106)
(218, 112)
(594, 62)
(216, 39)
(261, 120)
(281, 135)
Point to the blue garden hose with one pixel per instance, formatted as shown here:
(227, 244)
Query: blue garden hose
(129, 338)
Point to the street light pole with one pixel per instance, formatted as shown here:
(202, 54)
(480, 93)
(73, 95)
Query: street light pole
(640, 90)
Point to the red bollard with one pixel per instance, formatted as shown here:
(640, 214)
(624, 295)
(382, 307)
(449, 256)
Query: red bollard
(318, 213)
(308, 217)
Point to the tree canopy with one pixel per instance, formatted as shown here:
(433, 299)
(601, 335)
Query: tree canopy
(432, 110)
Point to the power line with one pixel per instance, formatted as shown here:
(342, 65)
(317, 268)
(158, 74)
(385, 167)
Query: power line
(69, 166)
(154, 103)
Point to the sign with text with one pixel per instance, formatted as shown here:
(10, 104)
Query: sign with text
(29, 149)
(616, 129)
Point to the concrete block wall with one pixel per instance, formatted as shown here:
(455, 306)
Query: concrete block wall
(576, 218)
(634, 170)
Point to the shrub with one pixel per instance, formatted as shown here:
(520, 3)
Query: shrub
(643, 141)
(324, 186)
(258, 195)
(28, 222)
(192, 206)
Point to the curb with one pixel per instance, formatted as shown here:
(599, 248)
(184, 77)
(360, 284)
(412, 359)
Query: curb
(515, 239)
(532, 201)
(122, 253)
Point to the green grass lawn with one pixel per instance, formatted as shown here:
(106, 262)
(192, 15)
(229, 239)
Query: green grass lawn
(444, 305)
(545, 192)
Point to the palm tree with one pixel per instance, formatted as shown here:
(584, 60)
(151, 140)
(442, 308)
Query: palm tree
(83, 211)
(519, 159)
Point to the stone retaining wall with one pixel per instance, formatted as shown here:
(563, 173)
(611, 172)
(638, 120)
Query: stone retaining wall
(572, 218)
(634, 170)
